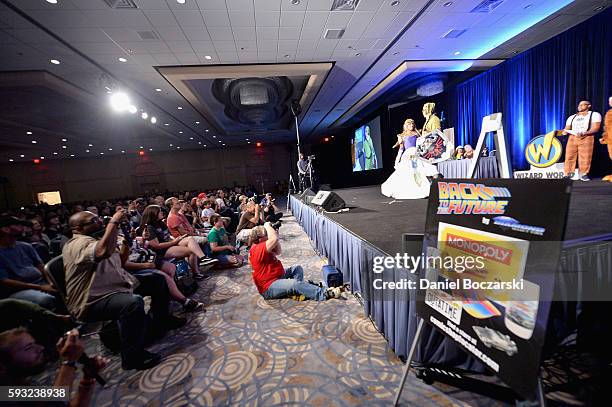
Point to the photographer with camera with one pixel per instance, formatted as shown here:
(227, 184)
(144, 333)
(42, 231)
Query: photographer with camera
(21, 357)
(219, 244)
(99, 289)
(274, 281)
(271, 213)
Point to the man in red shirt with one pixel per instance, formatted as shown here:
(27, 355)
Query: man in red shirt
(178, 224)
(274, 281)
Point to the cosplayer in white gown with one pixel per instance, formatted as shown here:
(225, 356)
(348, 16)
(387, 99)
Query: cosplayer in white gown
(409, 180)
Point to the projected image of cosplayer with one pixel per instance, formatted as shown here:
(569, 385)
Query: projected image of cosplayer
(494, 339)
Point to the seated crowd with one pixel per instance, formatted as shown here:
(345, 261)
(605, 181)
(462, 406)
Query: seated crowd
(112, 255)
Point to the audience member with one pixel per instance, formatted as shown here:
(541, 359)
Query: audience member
(22, 274)
(468, 152)
(99, 289)
(249, 219)
(219, 244)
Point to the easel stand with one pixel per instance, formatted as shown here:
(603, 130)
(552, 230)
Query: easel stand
(541, 400)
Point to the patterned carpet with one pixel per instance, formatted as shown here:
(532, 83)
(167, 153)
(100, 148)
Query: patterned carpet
(250, 352)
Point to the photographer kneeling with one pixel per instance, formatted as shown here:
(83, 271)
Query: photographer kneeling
(274, 281)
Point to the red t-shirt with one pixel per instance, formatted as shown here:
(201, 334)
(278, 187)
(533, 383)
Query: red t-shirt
(266, 267)
(173, 222)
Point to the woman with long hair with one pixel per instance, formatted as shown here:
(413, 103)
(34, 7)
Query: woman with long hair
(409, 180)
(159, 239)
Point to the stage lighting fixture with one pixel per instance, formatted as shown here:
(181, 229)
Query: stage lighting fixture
(132, 109)
(120, 102)
(153, 120)
(144, 115)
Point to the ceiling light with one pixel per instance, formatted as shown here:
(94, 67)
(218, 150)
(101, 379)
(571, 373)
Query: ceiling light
(150, 149)
(28, 132)
(90, 145)
(52, 1)
(206, 130)
(54, 153)
(199, 142)
(358, 54)
(153, 120)
(220, 141)
(287, 55)
(144, 115)
(166, 124)
(101, 153)
(180, 1)
(295, 2)
(204, 145)
(179, 108)
(178, 147)
(171, 145)
(122, 151)
(11, 160)
(64, 147)
(394, 3)
(87, 151)
(21, 155)
(55, 62)
(42, 157)
(214, 136)
(197, 122)
(132, 109)
(71, 155)
(246, 139)
(457, 53)
(447, 4)
(207, 57)
(121, 59)
(120, 102)
(141, 147)
(110, 149)
(34, 141)
(248, 142)
(180, 131)
(596, 9)
(528, 6)
(64, 140)
(158, 90)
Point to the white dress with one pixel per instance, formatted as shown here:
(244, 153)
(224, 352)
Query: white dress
(409, 180)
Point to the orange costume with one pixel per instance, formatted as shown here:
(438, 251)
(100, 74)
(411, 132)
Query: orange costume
(607, 138)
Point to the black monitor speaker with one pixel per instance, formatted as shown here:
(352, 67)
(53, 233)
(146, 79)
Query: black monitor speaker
(307, 195)
(329, 201)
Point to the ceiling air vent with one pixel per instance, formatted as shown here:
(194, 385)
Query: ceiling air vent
(487, 6)
(147, 35)
(454, 34)
(119, 4)
(343, 5)
(334, 33)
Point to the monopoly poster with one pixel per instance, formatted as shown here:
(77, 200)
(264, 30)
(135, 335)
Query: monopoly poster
(499, 241)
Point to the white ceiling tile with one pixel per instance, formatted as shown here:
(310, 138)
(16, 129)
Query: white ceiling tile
(322, 55)
(156, 47)
(267, 18)
(315, 20)
(124, 34)
(98, 47)
(379, 23)
(292, 18)
(116, 18)
(268, 4)
(240, 5)
(143, 4)
(304, 54)
(228, 56)
(188, 5)
(196, 33)
(145, 59)
(327, 45)
(311, 34)
(386, 5)
(358, 23)
(382, 43)
(212, 4)
(202, 46)
(180, 46)
(247, 55)
(412, 5)
(225, 46)
(267, 33)
(82, 34)
(287, 45)
(216, 18)
(246, 46)
(187, 58)
(32, 36)
(268, 45)
(266, 56)
(369, 5)
(221, 33)
(338, 19)
(343, 54)
(345, 43)
(187, 18)
(289, 6)
(366, 43)
(244, 33)
(171, 33)
(64, 18)
(161, 18)
(289, 33)
(242, 18)
(305, 44)
(319, 5)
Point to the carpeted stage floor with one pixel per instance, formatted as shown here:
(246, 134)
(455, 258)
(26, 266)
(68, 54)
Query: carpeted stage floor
(381, 220)
(245, 351)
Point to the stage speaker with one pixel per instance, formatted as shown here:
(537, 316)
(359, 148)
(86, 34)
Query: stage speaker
(329, 201)
(307, 196)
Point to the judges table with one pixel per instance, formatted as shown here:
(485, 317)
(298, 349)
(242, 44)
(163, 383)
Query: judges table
(487, 168)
